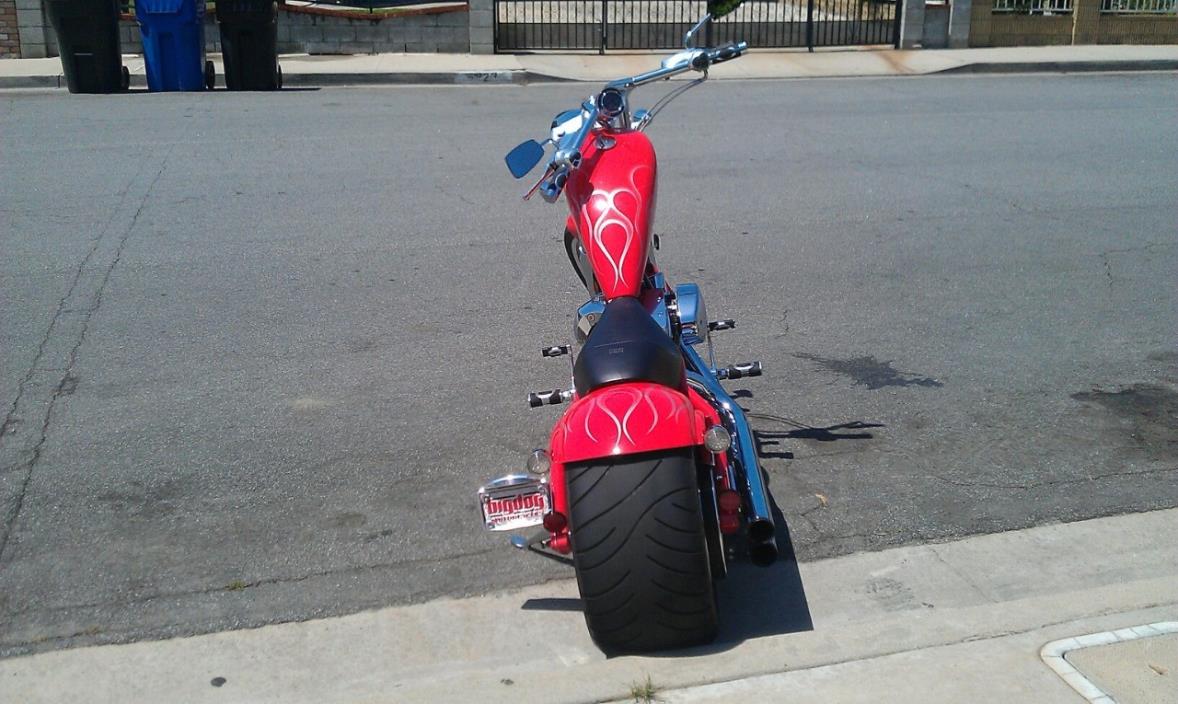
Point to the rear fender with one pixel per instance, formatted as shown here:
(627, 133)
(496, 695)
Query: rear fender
(621, 419)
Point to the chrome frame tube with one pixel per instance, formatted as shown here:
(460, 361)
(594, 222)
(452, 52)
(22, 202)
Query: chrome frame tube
(744, 452)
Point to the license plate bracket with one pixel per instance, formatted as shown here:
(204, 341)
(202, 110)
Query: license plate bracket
(514, 502)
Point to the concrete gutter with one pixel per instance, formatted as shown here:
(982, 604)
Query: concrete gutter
(958, 621)
(463, 69)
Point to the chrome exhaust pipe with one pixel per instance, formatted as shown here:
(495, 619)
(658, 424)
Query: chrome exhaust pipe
(762, 549)
(761, 529)
(759, 513)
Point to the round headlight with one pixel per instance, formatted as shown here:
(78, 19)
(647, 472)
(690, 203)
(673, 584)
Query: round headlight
(611, 102)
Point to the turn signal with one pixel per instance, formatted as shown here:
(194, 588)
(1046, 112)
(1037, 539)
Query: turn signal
(539, 462)
(717, 439)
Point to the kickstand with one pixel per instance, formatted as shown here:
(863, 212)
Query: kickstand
(551, 555)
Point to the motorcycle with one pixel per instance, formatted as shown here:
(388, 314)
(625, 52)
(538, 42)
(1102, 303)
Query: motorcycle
(650, 481)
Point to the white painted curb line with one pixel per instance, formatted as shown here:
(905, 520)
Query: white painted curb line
(1053, 655)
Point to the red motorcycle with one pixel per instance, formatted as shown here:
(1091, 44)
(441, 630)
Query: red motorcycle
(650, 480)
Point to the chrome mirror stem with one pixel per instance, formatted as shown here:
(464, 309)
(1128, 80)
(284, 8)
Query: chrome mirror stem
(689, 38)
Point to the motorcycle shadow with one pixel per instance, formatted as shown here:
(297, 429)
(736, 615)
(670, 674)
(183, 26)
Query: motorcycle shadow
(754, 602)
(757, 602)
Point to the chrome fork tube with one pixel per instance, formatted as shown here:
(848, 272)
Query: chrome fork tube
(761, 531)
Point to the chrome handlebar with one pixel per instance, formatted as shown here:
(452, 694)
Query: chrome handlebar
(689, 60)
(568, 155)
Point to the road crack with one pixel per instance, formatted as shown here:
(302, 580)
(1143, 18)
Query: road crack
(67, 382)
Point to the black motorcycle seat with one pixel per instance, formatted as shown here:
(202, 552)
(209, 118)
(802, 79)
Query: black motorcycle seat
(627, 344)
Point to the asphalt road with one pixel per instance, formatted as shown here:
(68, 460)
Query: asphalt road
(259, 351)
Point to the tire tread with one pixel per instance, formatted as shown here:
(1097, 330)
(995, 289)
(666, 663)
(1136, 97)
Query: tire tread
(640, 552)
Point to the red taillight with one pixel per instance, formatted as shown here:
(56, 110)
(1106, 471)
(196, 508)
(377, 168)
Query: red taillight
(729, 501)
(555, 522)
(729, 523)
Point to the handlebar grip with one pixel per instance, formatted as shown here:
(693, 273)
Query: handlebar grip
(552, 186)
(729, 51)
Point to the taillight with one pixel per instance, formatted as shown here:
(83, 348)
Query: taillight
(728, 502)
(555, 522)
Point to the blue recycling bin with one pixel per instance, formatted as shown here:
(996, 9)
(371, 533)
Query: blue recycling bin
(173, 33)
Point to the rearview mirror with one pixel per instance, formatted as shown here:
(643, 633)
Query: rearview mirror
(719, 8)
(524, 158)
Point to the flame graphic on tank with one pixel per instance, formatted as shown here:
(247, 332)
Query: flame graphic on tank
(612, 216)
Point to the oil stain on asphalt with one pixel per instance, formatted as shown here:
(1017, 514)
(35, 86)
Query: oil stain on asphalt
(1149, 413)
(870, 372)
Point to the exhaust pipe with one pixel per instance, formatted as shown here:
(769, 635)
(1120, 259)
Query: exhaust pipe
(762, 543)
(761, 531)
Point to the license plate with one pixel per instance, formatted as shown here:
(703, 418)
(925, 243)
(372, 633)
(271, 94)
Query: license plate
(514, 502)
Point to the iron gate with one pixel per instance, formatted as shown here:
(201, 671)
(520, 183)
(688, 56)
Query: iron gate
(599, 25)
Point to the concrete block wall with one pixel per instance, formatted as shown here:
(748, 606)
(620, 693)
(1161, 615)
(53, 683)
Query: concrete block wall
(307, 33)
(435, 32)
(482, 26)
(9, 30)
(936, 26)
(35, 34)
(132, 43)
(912, 24)
(25, 32)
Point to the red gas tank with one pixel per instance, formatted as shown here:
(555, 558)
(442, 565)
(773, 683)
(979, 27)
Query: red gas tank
(612, 199)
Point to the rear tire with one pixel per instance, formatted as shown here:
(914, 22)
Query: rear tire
(640, 552)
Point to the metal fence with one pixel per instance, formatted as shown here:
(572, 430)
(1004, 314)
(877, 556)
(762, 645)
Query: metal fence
(1034, 7)
(1140, 7)
(600, 25)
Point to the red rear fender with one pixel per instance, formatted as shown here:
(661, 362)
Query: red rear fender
(625, 419)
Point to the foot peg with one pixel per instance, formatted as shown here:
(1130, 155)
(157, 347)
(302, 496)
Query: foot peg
(555, 351)
(548, 398)
(717, 325)
(739, 371)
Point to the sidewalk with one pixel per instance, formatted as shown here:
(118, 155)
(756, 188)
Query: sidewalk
(1001, 617)
(305, 70)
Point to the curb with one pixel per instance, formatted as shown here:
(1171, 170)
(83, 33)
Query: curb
(1066, 66)
(1053, 655)
(526, 77)
(502, 77)
(32, 81)
(304, 80)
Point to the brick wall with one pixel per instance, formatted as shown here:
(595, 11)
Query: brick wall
(1137, 29)
(316, 33)
(1085, 25)
(1010, 29)
(9, 31)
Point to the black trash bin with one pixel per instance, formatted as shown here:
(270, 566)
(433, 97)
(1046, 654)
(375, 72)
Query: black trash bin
(88, 41)
(249, 44)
